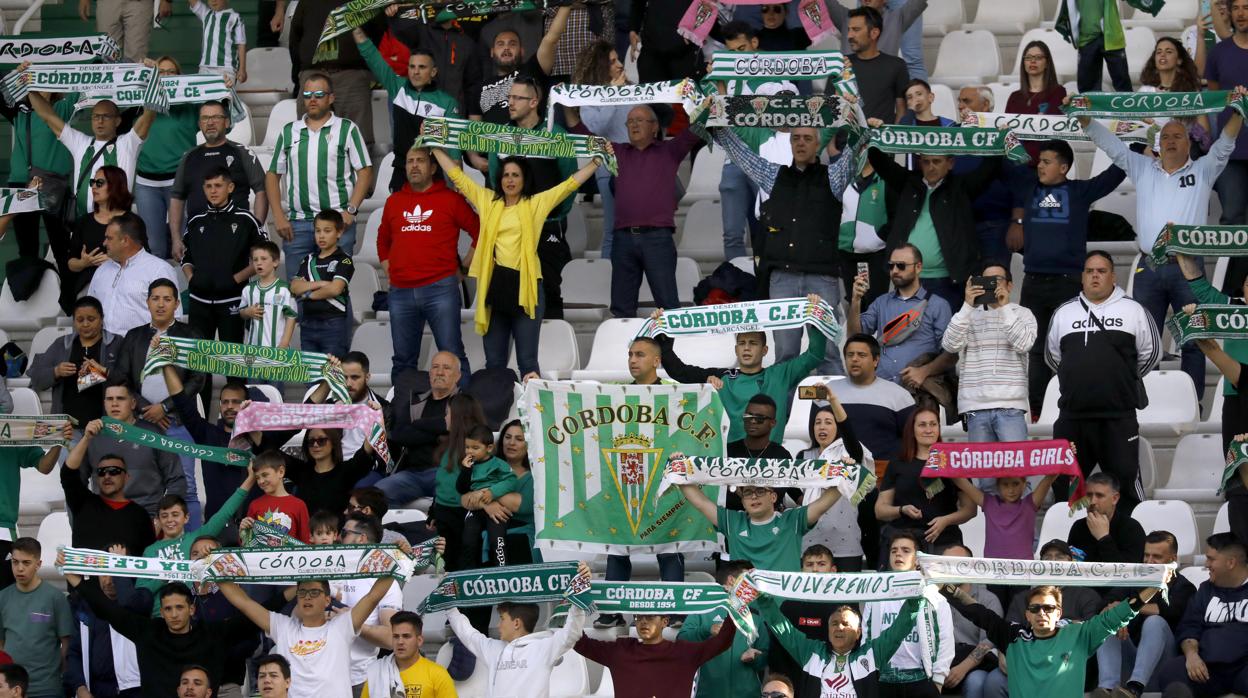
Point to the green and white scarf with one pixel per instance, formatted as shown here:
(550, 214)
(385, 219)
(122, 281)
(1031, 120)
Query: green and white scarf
(87, 562)
(262, 534)
(852, 480)
(750, 316)
(859, 587)
(136, 435)
(1144, 105)
(1212, 321)
(19, 201)
(777, 65)
(485, 137)
(670, 598)
(1213, 240)
(1047, 127)
(44, 431)
(671, 92)
(540, 583)
(948, 140)
(775, 112)
(58, 49)
(1236, 456)
(181, 89)
(940, 569)
(247, 361)
(124, 83)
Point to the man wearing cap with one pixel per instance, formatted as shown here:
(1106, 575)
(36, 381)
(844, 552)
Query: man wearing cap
(909, 321)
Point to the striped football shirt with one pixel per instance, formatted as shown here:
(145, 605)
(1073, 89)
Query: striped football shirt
(319, 166)
(278, 304)
(224, 32)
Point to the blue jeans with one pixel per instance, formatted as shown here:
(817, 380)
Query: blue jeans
(1157, 289)
(671, 567)
(973, 684)
(638, 250)
(514, 323)
(997, 685)
(1232, 188)
(912, 45)
(438, 304)
(1116, 657)
(153, 206)
(304, 244)
(406, 485)
(328, 335)
(736, 199)
(603, 177)
(996, 425)
(194, 510)
(791, 284)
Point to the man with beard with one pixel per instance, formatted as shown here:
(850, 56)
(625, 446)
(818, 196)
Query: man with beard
(355, 369)
(491, 100)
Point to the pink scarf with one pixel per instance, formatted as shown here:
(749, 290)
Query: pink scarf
(1005, 459)
(277, 416)
(698, 20)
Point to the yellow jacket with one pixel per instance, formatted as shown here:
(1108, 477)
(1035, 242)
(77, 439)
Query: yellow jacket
(532, 213)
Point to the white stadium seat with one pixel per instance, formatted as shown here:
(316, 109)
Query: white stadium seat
(587, 287)
(37, 310)
(1013, 17)
(570, 677)
(967, 57)
(1121, 202)
(687, 277)
(1172, 408)
(283, 113)
(44, 339)
(974, 533)
(1173, 17)
(268, 69)
(1065, 57)
(363, 285)
(942, 17)
(40, 493)
(945, 104)
(1196, 472)
(366, 252)
(270, 391)
(477, 685)
(1140, 44)
(702, 236)
(26, 401)
(606, 685)
(608, 358)
(1222, 522)
(1057, 522)
(1195, 575)
(373, 338)
(708, 166)
(54, 532)
(1170, 515)
(381, 185)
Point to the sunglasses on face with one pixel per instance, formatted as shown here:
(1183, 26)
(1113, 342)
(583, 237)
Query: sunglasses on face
(1042, 608)
(318, 94)
(97, 182)
(772, 9)
(900, 265)
(318, 441)
(755, 418)
(111, 471)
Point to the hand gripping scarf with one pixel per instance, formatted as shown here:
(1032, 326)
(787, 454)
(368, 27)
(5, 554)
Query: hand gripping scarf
(858, 587)
(485, 137)
(19, 201)
(700, 18)
(44, 431)
(1003, 459)
(1213, 321)
(120, 82)
(1143, 105)
(776, 112)
(852, 480)
(137, 435)
(271, 416)
(1213, 240)
(247, 361)
(948, 140)
(58, 49)
(750, 316)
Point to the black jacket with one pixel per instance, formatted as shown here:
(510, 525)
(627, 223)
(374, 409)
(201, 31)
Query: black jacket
(656, 21)
(801, 224)
(133, 354)
(305, 35)
(950, 207)
(97, 525)
(218, 246)
(1170, 606)
(1125, 542)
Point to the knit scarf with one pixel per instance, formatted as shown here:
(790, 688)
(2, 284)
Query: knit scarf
(939, 569)
(1213, 321)
(777, 65)
(1046, 127)
(750, 316)
(120, 82)
(1236, 456)
(852, 480)
(1002, 459)
(136, 435)
(341, 20)
(247, 361)
(948, 140)
(671, 92)
(1143, 105)
(859, 587)
(776, 112)
(284, 565)
(671, 598)
(700, 18)
(183, 89)
(551, 581)
(34, 430)
(1213, 240)
(485, 137)
(19, 201)
(62, 49)
(276, 416)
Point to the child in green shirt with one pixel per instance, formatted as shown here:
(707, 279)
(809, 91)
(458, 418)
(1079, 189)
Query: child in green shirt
(484, 478)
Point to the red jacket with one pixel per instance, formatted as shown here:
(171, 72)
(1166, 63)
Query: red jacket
(419, 234)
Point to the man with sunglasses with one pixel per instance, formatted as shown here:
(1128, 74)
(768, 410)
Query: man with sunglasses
(108, 518)
(759, 419)
(1046, 657)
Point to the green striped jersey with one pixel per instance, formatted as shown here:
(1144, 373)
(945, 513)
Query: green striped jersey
(319, 165)
(224, 32)
(278, 304)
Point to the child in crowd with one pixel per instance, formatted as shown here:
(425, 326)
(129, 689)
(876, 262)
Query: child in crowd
(1011, 517)
(324, 526)
(484, 478)
(322, 285)
(225, 39)
(267, 301)
(283, 514)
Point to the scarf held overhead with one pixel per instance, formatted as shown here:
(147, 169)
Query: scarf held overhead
(136, 435)
(1199, 240)
(750, 316)
(1003, 459)
(671, 92)
(697, 22)
(120, 82)
(247, 361)
(599, 453)
(847, 588)
(776, 112)
(670, 598)
(777, 65)
(482, 136)
(939, 569)
(1236, 457)
(59, 49)
(1142, 105)
(1046, 127)
(852, 480)
(540, 583)
(278, 416)
(183, 89)
(34, 430)
(1213, 321)
(948, 140)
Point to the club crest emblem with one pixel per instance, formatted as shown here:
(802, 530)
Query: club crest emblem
(633, 461)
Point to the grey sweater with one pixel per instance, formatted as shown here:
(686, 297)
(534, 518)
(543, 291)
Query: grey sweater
(896, 22)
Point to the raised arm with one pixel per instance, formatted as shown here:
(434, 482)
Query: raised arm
(760, 171)
(249, 607)
(362, 610)
(820, 506)
(1042, 490)
(550, 41)
(699, 500)
(44, 109)
(968, 489)
(791, 639)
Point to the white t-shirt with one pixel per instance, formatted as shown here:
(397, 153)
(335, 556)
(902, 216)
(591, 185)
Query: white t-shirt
(320, 663)
(349, 592)
(124, 154)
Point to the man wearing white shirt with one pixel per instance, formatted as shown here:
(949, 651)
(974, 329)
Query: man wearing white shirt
(122, 282)
(104, 146)
(361, 529)
(1170, 188)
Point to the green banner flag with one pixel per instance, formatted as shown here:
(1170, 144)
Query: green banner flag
(1213, 240)
(949, 140)
(247, 361)
(136, 435)
(551, 581)
(485, 137)
(1212, 321)
(749, 316)
(1144, 105)
(598, 454)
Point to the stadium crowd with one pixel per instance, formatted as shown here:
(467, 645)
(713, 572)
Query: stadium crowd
(159, 236)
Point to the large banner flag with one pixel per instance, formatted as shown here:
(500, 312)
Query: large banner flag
(44, 431)
(58, 49)
(599, 454)
(1212, 321)
(749, 316)
(1003, 459)
(120, 82)
(1213, 240)
(247, 361)
(939, 569)
(1048, 127)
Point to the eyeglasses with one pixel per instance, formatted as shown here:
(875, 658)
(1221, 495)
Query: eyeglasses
(219, 117)
(755, 418)
(97, 182)
(309, 593)
(318, 94)
(900, 265)
(1043, 608)
(351, 532)
(751, 492)
(111, 471)
(1033, 59)
(518, 98)
(318, 441)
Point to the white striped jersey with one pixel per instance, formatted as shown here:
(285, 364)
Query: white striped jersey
(224, 32)
(319, 165)
(278, 304)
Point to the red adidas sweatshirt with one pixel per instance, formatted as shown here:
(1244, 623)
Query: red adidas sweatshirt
(419, 234)
(665, 670)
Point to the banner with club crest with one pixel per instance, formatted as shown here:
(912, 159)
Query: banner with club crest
(599, 453)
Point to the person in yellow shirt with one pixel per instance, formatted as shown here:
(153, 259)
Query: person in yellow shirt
(508, 270)
(406, 672)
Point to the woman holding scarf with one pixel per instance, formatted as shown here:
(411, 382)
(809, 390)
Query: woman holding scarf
(170, 137)
(838, 529)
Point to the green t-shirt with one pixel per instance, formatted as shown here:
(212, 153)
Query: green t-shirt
(180, 548)
(774, 545)
(494, 475)
(12, 460)
(1235, 348)
(1091, 14)
(777, 381)
(725, 675)
(46, 149)
(170, 137)
(1055, 666)
(924, 237)
(33, 623)
(445, 491)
